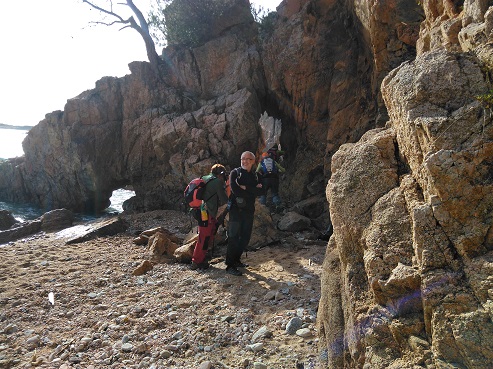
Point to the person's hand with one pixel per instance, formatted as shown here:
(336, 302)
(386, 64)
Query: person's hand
(242, 187)
(259, 185)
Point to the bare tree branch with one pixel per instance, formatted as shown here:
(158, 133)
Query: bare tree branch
(142, 27)
(109, 12)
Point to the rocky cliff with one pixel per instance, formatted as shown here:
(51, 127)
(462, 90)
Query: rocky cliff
(386, 101)
(407, 276)
(314, 70)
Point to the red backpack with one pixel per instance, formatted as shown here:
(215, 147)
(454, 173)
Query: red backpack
(194, 192)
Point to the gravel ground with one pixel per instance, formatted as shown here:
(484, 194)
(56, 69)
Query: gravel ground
(102, 316)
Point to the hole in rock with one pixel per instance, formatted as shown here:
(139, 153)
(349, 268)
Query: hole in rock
(118, 197)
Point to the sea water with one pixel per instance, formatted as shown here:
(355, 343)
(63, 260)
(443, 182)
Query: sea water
(11, 142)
(10, 147)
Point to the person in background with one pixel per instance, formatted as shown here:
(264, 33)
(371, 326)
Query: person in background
(245, 187)
(276, 153)
(214, 195)
(269, 170)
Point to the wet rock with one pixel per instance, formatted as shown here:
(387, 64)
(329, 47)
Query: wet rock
(56, 219)
(108, 227)
(21, 230)
(7, 220)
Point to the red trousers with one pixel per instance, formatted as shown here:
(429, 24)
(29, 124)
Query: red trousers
(206, 239)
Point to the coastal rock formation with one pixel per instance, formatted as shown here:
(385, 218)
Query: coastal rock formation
(409, 263)
(152, 132)
(51, 221)
(323, 64)
(313, 69)
(387, 102)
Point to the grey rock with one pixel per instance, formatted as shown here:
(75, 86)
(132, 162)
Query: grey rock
(293, 325)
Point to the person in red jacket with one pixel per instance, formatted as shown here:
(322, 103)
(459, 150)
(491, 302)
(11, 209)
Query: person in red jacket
(214, 195)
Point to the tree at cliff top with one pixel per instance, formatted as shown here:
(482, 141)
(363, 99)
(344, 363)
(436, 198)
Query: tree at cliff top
(140, 25)
(192, 22)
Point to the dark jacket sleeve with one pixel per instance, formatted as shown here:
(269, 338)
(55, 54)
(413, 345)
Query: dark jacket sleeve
(235, 188)
(248, 179)
(221, 192)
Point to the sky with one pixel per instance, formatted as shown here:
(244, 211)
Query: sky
(50, 53)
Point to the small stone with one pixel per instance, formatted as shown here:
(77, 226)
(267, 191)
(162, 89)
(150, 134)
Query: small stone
(257, 365)
(173, 315)
(263, 332)
(171, 347)
(74, 359)
(271, 295)
(127, 347)
(165, 354)
(9, 329)
(33, 341)
(304, 332)
(205, 365)
(293, 325)
(178, 335)
(256, 347)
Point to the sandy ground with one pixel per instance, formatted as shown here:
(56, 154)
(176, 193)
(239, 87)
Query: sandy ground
(171, 317)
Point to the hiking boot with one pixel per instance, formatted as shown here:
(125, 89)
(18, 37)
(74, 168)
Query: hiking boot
(241, 265)
(194, 266)
(233, 271)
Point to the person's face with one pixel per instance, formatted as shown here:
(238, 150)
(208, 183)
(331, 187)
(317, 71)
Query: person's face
(247, 161)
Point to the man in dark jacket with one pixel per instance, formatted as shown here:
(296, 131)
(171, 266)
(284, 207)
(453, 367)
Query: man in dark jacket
(214, 195)
(245, 187)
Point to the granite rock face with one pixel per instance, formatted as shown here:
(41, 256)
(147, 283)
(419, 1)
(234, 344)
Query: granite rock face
(412, 210)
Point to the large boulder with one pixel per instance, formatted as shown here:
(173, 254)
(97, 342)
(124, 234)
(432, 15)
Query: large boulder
(412, 206)
(57, 219)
